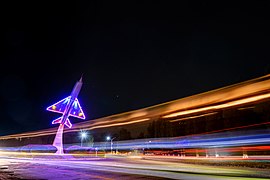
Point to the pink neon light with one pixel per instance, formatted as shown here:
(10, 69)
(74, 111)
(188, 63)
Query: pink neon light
(60, 106)
(57, 121)
(50, 108)
(80, 110)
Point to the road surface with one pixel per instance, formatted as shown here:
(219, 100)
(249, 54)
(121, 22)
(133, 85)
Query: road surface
(117, 168)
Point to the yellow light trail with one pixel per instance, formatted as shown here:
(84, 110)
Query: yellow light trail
(221, 106)
(243, 93)
(192, 117)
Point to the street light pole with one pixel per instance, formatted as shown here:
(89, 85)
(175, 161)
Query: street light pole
(112, 144)
(109, 138)
(83, 135)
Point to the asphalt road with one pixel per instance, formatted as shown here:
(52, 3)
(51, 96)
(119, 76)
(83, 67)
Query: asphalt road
(117, 168)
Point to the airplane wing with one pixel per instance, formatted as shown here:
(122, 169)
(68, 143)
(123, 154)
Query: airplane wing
(60, 106)
(68, 124)
(77, 110)
(59, 120)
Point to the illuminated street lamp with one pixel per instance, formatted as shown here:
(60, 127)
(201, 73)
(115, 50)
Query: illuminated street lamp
(83, 136)
(109, 138)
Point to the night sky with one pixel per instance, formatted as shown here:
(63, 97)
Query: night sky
(132, 55)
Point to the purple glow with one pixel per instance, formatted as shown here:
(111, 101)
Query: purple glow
(58, 140)
(60, 107)
(57, 121)
(69, 106)
(77, 110)
(68, 124)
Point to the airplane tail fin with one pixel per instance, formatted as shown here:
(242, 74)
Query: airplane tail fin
(68, 124)
(57, 121)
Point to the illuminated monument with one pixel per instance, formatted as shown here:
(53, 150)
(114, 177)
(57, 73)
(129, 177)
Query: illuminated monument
(69, 106)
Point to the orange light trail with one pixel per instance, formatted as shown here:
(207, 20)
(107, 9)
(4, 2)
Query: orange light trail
(221, 106)
(245, 93)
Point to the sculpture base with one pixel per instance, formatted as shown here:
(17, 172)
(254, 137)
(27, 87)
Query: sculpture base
(58, 140)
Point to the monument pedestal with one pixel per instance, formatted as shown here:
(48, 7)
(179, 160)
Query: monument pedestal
(58, 140)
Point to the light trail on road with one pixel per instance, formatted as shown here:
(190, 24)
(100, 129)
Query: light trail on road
(122, 167)
(227, 143)
(244, 93)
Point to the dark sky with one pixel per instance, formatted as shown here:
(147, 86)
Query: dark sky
(132, 55)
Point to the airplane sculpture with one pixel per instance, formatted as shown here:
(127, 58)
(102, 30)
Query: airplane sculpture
(69, 106)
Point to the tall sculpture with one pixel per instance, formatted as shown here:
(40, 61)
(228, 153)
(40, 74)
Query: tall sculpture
(69, 106)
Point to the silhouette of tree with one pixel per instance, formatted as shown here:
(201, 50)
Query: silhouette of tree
(141, 135)
(124, 134)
